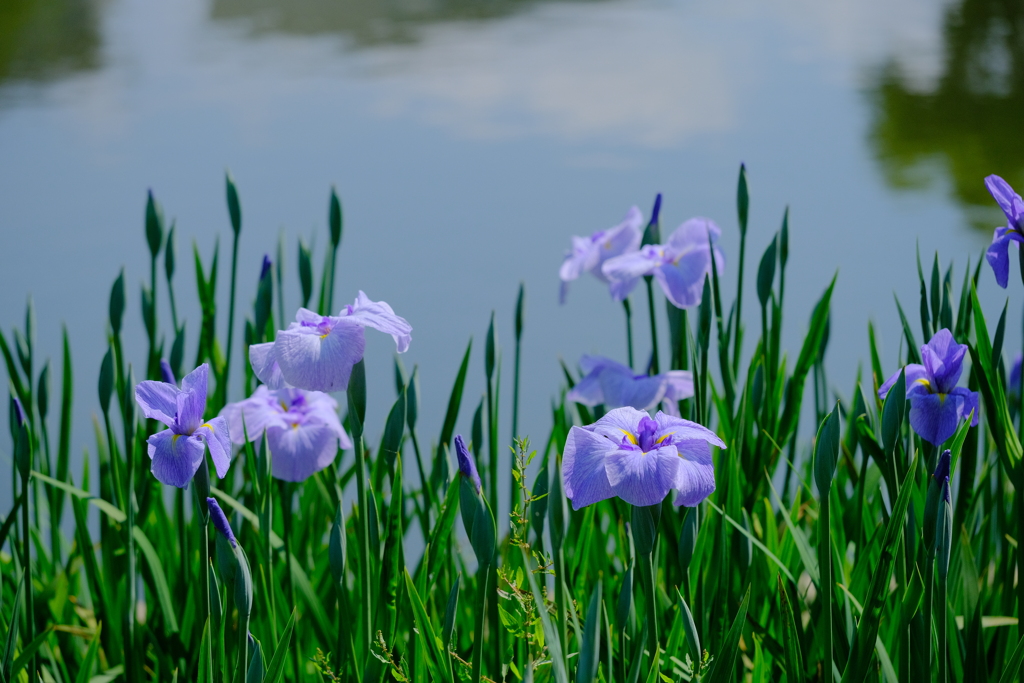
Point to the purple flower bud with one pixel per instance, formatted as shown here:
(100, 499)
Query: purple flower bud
(945, 490)
(466, 464)
(266, 267)
(220, 521)
(19, 411)
(942, 467)
(166, 372)
(656, 211)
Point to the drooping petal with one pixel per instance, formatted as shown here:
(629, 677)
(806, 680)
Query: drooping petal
(192, 400)
(296, 453)
(620, 289)
(622, 239)
(167, 373)
(304, 315)
(998, 255)
(682, 279)
(175, 457)
(622, 388)
(158, 400)
(216, 435)
(642, 478)
(935, 416)
(587, 391)
(318, 362)
(695, 478)
(263, 360)
(678, 385)
(970, 402)
(321, 409)
(251, 416)
(583, 467)
(685, 430)
(579, 260)
(634, 264)
(380, 316)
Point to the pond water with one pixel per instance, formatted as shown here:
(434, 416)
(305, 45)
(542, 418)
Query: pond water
(469, 139)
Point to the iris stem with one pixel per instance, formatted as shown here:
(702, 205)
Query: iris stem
(942, 630)
(482, 576)
(364, 544)
(629, 331)
(204, 558)
(647, 582)
(654, 370)
(929, 584)
(26, 542)
(287, 491)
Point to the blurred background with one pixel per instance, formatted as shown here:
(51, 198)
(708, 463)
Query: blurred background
(470, 139)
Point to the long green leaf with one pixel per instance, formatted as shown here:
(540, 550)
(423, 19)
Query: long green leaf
(454, 401)
(725, 662)
(276, 666)
(441, 662)
(88, 662)
(867, 631)
(103, 506)
(163, 591)
(590, 650)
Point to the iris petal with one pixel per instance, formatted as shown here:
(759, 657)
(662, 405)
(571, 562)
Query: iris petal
(695, 478)
(158, 400)
(175, 458)
(642, 478)
(299, 452)
(215, 434)
(934, 417)
(583, 467)
(320, 362)
(380, 316)
(192, 400)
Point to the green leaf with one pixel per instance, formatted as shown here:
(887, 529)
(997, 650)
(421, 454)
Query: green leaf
(1013, 663)
(28, 652)
(790, 637)
(12, 633)
(205, 674)
(249, 515)
(234, 206)
(89, 661)
(590, 648)
(256, 670)
(102, 505)
(551, 638)
(725, 660)
(867, 630)
(450, 612)
(689, 628)
(454, 401)
(440, 661)
(826, 452)
(163, 592)
(805, 361)
(394, 429)
(276, 666)
(766, 272)
(754, 540)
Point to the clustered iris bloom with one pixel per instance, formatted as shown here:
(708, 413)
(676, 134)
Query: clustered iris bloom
(614, 385)
(589, 254)
(937, 405)
(318, 352)
(1012, 205)
(302, 427)
(177, 452)
(680, 265)
(639, 459)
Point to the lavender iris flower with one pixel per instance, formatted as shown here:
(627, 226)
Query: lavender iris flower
(302, 427)
(466, 464)
(317, 352)
(639, 459)
(589, 254)
(937, 405)
(1012, 205)
(614, 385)
(178, 452)
(679, 265)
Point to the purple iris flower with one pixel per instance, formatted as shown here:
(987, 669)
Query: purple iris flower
(317, 352)
(1012, 205)
(166, 372)
(639, 459)
(178, 452)
(679, 265)
(589, 254)
(302, 427)
(614, 385)
(937, 404)
(466, 464)
(220, 521)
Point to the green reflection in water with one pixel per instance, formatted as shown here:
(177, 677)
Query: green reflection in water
(41, 40)
(364, 22)
(970, 124)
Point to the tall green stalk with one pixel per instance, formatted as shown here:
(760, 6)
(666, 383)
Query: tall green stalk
(235, 211)
(655, 368)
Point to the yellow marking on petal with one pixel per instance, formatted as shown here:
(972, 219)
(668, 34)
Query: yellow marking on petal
(632, 439)
(608, 244)
(174, 439)
(284, 407)
(324, 336)
(942, 399)
(924, 382)
(206, 424)
(295, 425)
(663, 438)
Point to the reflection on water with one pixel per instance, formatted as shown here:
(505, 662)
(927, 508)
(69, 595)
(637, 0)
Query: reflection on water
(365, 22)
(970, 119)
(46, 39)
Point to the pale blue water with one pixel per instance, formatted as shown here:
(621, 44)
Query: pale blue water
(468, 142)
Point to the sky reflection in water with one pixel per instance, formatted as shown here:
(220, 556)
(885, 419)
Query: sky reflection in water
(470, 140)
